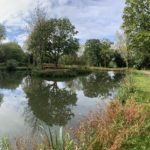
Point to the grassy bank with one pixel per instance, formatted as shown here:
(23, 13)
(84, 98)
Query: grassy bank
(60, 72)
(97, 69)
(70, 71)
(136, 87)
(125, 125)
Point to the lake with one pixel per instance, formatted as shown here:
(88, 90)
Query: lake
(27, 102)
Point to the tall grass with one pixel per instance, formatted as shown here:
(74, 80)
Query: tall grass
(127, 88)
(109, 130)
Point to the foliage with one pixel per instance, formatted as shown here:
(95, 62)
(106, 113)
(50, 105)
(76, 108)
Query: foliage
(121, 47)
(11, 64)
(72, 60)
(36, 42)
(92, 51)
(106, 53)
(62, 39)
(68, 60)
(53, 38)
(98, 52)
(11, 51)
(118, 59)
(137, 28)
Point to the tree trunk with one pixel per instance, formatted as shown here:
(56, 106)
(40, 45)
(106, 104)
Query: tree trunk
(127, 43)
(56, 61)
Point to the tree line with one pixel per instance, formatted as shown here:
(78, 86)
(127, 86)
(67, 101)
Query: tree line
(54, 41)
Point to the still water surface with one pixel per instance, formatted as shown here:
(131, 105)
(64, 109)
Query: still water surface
(27, 102)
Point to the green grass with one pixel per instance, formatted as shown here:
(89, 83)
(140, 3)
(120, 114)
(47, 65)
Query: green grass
(141, 94)
(142, 87)
(136, 85)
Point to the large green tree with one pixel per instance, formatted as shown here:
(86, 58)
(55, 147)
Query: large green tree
(106, 53)
(98, 52)
(37, 35)
(53, 38)
(136, 25)
(11, 50)
(61, 40)
(93, 52)
(37, 41)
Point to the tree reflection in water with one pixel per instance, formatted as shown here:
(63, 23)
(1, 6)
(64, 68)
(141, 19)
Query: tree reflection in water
(48, 102)
(1, 99)
(96, 84)
(11, 80)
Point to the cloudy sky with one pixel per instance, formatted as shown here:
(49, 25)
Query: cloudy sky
(92, 18)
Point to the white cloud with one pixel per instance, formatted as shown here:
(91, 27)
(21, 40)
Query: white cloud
(92, 18)
(21, 38)
(12, 11)
(6, 40)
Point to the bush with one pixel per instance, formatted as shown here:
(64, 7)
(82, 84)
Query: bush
(11, 64)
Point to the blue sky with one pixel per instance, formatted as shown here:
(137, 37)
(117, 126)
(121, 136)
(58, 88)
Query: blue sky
(92, 18)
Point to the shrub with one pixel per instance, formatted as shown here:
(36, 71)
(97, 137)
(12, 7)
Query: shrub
(11, 65)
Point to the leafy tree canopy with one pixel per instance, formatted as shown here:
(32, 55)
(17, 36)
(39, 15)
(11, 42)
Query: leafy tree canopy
(53, 38)
(98, 52)
(136, 25)
(11, 50)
